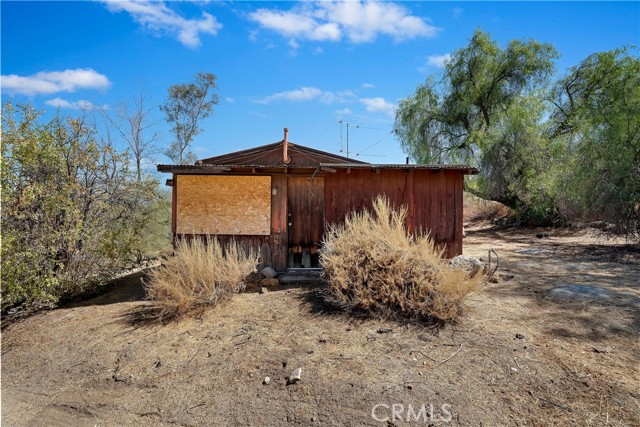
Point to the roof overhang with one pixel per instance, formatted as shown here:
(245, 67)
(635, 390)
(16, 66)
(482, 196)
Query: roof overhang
(324, 167)
(465, 169)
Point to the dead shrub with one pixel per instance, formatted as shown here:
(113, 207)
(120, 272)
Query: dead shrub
(201, 273)
(373, 265)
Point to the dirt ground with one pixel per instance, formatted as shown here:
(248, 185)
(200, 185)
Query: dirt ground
(516, 357)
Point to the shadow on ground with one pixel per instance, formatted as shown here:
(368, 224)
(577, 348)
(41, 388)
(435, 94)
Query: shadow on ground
(614, 268)
(127, 288)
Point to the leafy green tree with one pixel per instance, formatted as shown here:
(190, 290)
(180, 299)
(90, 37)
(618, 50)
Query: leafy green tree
(450, 120)
(187, 104)
(596, 116)
(70, 204)
(515, 160)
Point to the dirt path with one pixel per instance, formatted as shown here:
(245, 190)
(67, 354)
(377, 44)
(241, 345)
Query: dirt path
(516, 358)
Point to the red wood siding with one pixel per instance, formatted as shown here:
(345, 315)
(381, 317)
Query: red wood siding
(433, 199)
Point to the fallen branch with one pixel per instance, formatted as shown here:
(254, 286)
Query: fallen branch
(421, 353)
(447, 359)
(194, 407)
(192, 357)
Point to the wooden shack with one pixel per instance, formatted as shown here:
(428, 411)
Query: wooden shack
(279, 198)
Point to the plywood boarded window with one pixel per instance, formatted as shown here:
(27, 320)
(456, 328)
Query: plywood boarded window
(227, 204)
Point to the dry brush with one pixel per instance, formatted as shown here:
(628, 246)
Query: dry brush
(202, 273)
(373, 265)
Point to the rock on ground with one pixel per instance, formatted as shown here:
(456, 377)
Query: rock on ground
(471, 265)
(295, 376)
(269, 272)
(574, 291)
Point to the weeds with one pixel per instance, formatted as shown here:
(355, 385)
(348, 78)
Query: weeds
(373, 265)
(202, 273)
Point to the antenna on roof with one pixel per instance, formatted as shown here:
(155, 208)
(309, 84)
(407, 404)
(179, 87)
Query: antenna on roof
(347, 123)
(371, 146)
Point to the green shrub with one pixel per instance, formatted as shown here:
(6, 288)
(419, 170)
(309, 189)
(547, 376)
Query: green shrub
(373, 265)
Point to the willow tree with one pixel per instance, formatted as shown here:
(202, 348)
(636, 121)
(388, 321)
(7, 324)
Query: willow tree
(471, 113)
(597, 120)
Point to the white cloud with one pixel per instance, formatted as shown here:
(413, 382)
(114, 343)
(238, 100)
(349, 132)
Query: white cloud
(80, 104)
(157, 17)
(375, 105)
(297, 95)
(358, 21)
(367, 86)
(439, 60)
(230, 100)
(293, 44)
(343, 113)
(308, 94)
(295, 25)
(318, 51)
(457, 11)
(48, 82)
(334, 97)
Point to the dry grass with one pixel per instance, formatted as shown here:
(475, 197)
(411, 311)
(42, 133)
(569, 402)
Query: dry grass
(373, 265)
(477, 209)
(202, 273)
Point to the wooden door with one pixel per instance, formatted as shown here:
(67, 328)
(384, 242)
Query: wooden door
(305, 216)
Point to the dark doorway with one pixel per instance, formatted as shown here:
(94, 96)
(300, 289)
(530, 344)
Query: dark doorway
(305, 216)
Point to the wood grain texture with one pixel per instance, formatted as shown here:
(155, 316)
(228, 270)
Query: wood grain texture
(223, 204)
(433, 200)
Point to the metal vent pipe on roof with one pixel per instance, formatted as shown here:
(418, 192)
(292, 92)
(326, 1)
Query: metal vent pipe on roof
(285, 145)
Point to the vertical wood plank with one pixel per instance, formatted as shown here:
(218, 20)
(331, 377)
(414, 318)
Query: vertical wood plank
(361, 188)
(442, 207)
(458, 212)
(450, 225)
(328, 194)
(174, 205)
(278, 238)
(433, 205)
(410, 199)
(342, 198)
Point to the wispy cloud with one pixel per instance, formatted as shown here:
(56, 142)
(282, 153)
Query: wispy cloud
(230, 100)
(343, 113)
(157, 17)
(368, 86)
(48, 82)
(308, 94)
(357, 21)
(375, 105)
(318, 51)
(457, 11)
(438, 61)
(80, 104)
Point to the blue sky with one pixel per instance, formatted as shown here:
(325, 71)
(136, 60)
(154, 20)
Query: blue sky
(299, 65)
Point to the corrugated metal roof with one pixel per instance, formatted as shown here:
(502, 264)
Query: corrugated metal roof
(206, 167)
(467, 168)
(255, 153)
